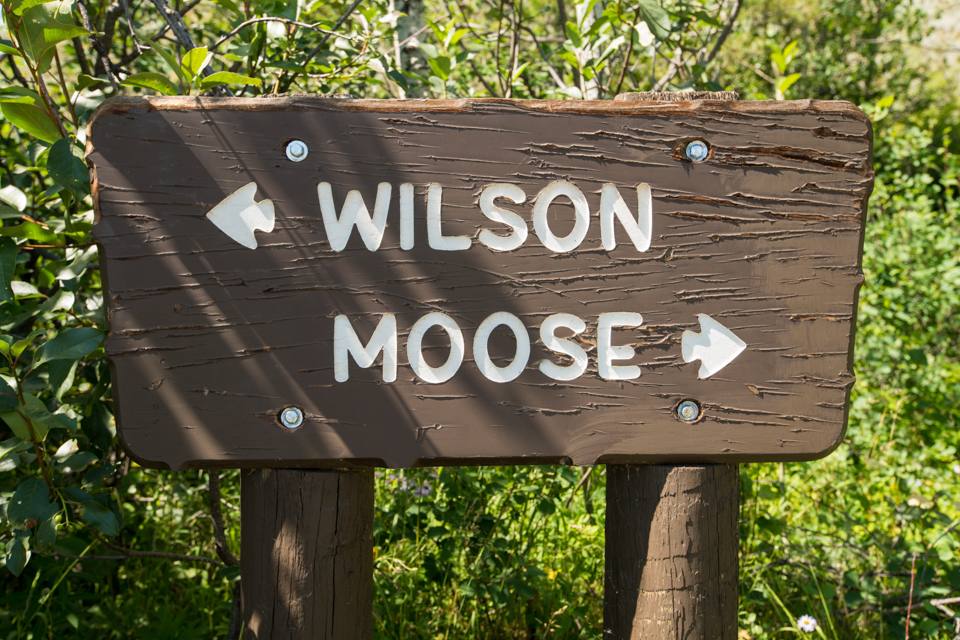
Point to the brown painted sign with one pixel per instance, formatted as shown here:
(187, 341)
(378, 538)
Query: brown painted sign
(305, 281)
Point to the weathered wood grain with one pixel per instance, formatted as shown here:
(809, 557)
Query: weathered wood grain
(209, 340)
(671, 552)
(307, 554)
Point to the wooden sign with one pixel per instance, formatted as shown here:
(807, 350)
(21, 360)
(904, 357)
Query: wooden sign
(304, 281)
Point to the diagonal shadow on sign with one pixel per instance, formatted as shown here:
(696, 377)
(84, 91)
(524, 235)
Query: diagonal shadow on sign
(210, 340)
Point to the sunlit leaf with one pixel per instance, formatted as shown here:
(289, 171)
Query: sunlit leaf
(70, 344)
(152, 80)
(225, 77)
(62, 300)
(16, 99)
(194, 61)
(30, 231)
(657, 19)
(78, 264)
(170, 60)
(8, 265)
(88, 82)
(43, 26)
(31, 119)
(23, 289)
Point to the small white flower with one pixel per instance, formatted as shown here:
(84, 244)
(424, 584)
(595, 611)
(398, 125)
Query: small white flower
(807, 624)
(956, 468)
(644, 35)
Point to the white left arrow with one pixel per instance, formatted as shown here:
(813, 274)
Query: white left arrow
(238, 215)
(715, 346)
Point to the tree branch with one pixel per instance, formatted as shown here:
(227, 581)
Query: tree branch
(216, 514)
(132, 553)
(112, 72)
(286, 85)
(247, 23)
(183, 36)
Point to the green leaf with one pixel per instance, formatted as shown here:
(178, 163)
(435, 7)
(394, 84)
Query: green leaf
(99, 517)
(657, 19)
(77, 495)
(78, 264)
(225, 77)
(30, 231)
(26, 4)
(429, 49)
(17, 556)
(76, 462)
(194, 61)
(884, 102)
(62, 375)
(10, 51)
(30, 503)
(66, 165)
(7, 212)
(171, 61)
(547, 507)
(14, 90)
(43, 420)
(787, 81)
(8, 264)
(152, 80)
(31, 119)
(788, 51)
(12, 445)
(8, 398)
(47, 532)
(22, 344)
(98, 475)
(62, 300)
(23, 289)
(43, 26)
(14, 197)
(441, 66)
(70, 344)
(15, 99)
(87, 82)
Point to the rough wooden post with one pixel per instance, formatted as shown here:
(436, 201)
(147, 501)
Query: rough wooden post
(307, 554)
(671, 552)
(672, 534)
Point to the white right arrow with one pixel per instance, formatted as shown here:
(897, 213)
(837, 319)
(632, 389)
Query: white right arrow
(715, 346)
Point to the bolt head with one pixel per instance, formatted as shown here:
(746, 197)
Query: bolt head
(698, 150)
(297, 150)
(688, 411)
(291, 417)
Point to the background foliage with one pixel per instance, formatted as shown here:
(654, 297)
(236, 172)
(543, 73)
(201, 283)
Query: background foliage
(97, 547)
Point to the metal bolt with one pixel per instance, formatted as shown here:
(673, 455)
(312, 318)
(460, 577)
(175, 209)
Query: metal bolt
(688, 411)
(297, 150)
(696, 151)
(291, 417)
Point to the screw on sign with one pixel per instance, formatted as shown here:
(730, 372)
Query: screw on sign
(408, 283)
(297, 150)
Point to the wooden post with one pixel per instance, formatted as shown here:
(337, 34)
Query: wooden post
(671, 552)
(672, 534)
(307, 554)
